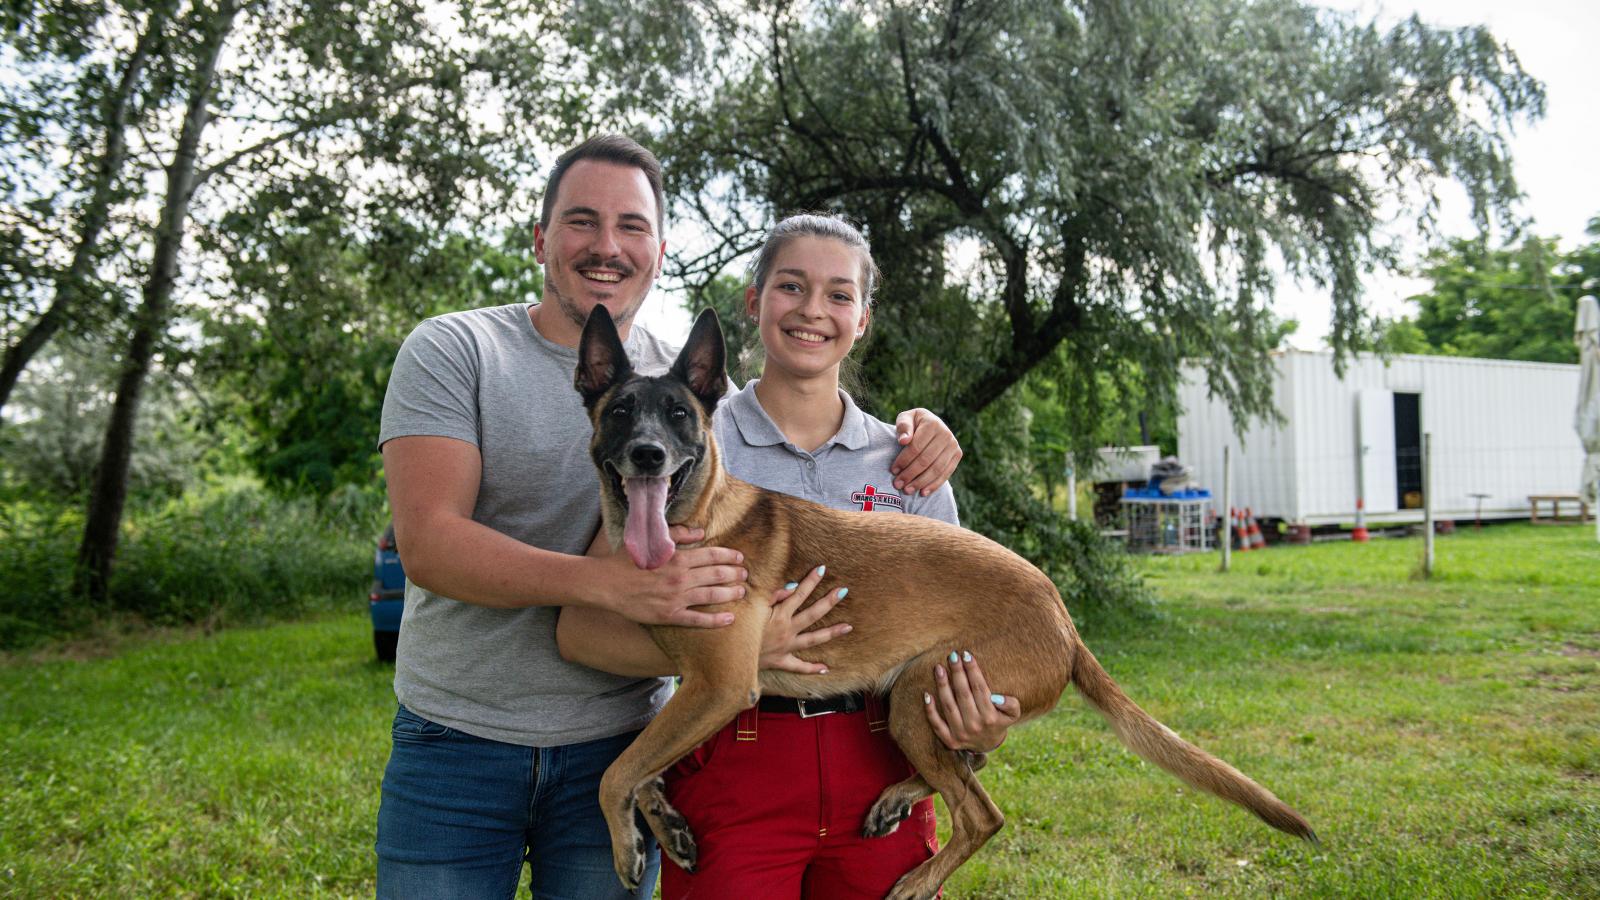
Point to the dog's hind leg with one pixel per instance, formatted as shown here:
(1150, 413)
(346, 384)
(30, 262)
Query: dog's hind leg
(894, 804)
(670, 827)
(974, 817)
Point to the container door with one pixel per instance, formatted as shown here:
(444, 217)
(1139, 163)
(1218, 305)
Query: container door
(1375, 450)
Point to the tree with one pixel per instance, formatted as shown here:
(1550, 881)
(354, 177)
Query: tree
(89, 113)
(110, 489)
(371, 103)
(51, 447)
(1511, 302)
(303, 355)
(1111, 179)
(1090, 190)
(1497, 304)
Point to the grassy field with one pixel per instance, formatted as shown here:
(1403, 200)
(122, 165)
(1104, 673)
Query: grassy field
(1442, 736)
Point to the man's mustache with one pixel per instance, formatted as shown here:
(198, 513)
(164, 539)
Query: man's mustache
(613, 265)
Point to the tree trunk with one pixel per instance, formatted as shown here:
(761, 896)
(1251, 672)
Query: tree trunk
(110, 492)
(69, 287)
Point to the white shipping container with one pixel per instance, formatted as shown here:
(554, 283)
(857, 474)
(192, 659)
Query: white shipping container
(1500, 428)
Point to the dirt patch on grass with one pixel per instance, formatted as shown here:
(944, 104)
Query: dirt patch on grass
(1571, 649)
(1565, 681)
(109, 639)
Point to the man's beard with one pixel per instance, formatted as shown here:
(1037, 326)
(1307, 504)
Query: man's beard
(569, 307)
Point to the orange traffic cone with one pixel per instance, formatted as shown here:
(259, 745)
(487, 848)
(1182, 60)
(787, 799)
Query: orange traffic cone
(1240, 537)
(1360, 534)
(1257, 542)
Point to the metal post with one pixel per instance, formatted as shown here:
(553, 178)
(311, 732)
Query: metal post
(1072, 492)
(1227, 505)
(1427, 505)
(1360, 532)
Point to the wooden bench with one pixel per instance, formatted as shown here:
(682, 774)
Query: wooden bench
(1555, 501)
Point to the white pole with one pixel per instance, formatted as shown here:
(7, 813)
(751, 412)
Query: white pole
(1427, 505)
(1226, 531)
(1072, 493)
(1360, 532)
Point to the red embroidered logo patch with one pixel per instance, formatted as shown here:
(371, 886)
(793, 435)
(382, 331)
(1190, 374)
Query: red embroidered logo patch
(868, 497)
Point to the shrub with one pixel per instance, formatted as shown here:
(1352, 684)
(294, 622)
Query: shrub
(995, 490)
(227, 553)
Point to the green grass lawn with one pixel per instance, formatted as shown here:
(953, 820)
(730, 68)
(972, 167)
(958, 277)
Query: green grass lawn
(1443, 737)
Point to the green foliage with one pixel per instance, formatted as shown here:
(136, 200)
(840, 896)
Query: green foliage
(995, 495)
(1510, 302)
(50, 449)
(303, 352)
(1120, 208)
(725, 294)
(227, 554)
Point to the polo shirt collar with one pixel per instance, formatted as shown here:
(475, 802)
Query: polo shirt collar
(758, 429)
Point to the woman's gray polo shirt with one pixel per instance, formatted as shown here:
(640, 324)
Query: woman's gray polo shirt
(850, 471)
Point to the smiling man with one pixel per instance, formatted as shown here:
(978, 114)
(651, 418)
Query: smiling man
(600, 243)
(498, 743)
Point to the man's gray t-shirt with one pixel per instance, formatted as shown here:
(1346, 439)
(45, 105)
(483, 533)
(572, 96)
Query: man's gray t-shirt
(487, 377)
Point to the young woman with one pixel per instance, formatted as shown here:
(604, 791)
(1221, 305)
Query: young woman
(777, 799)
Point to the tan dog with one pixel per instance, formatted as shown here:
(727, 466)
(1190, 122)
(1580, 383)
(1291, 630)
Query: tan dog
(931, 587)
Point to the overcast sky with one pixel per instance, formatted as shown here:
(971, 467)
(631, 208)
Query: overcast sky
(1556, 158)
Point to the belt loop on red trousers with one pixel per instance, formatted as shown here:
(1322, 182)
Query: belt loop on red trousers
(744, 728)
(877, 713)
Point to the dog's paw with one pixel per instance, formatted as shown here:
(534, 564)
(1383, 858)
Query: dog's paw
(884, 817)
(629, 864)
(913, 886)
(671, 828)
(681, 848)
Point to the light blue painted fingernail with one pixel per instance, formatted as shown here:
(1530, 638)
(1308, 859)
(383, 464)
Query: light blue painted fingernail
(954, 657)
(996, 699)
(791, 585)
(965, 656)
(842, 592)
(821, 571)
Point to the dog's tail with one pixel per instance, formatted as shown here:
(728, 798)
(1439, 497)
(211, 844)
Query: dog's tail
(1160, 745)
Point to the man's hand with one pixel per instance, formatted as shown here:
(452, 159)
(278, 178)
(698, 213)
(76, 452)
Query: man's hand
(786, 628)
(700, 576)
(964, 714)
(930, 455)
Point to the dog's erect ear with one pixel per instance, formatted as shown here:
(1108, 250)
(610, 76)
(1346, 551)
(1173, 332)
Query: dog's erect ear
(702, 364)
(601, 360)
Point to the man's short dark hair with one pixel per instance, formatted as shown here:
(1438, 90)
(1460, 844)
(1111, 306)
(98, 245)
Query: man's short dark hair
(611, 148)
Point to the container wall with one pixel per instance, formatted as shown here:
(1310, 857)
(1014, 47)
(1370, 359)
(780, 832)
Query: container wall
(1499, 428)
(1263, 458)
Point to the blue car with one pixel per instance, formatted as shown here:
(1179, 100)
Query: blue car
(387, 599)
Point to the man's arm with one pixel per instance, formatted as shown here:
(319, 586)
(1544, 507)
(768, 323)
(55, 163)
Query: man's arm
(930, 455)
(433, 485)
(603, 640)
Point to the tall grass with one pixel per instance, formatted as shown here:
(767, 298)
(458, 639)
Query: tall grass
(227, 553)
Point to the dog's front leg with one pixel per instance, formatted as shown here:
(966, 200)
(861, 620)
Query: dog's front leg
(719, 680)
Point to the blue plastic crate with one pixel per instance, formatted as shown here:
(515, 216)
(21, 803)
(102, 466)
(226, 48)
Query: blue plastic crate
(1150, 493)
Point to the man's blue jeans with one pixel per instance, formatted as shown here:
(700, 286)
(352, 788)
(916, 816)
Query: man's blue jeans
(460, 814)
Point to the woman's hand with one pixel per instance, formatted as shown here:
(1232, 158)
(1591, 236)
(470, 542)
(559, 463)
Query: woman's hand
(786, 628)
(963, 712)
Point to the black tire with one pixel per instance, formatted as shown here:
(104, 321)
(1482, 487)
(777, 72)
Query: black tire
(384, 643)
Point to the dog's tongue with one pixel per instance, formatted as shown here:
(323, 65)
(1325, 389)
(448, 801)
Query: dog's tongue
(645, 535)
